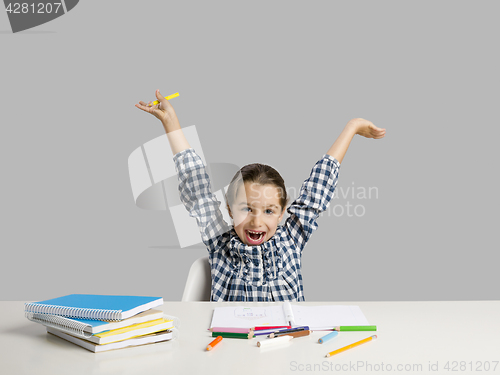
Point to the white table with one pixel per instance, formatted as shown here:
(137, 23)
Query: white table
(412, 336)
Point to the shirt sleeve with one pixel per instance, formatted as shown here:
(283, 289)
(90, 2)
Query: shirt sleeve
(196, 195)
(313, 199)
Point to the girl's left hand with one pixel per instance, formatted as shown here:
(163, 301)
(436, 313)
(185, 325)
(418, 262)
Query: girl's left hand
(366, 128)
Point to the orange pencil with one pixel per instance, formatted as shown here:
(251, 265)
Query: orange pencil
(351, 346)
(213, 343)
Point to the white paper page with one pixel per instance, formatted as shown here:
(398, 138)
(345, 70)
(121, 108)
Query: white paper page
(326, 317)
(248, 317)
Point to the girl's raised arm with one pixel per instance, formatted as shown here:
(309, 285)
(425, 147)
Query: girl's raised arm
(355, 126)
(166, 114)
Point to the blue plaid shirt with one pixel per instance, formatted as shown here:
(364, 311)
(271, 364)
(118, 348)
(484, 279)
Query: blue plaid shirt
(267, 272)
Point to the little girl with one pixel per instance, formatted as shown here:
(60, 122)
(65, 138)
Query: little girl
(255, 259)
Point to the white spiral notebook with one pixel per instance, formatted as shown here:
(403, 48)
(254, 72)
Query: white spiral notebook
(136, 341)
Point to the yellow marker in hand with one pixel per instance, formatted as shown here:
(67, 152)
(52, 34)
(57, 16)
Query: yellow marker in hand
(166, 97)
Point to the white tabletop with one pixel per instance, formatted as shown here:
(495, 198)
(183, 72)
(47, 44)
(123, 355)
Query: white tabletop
(412, 337)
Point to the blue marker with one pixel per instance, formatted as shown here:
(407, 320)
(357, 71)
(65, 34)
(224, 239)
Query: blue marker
(330, 336)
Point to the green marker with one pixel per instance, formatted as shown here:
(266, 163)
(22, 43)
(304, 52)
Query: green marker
(355, 328)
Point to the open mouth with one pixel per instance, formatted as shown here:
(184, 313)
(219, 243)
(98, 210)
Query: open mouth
(255, 237)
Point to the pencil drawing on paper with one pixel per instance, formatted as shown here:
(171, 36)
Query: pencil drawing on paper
(250, 312)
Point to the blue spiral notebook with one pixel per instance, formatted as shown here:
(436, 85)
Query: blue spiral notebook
(94, 306)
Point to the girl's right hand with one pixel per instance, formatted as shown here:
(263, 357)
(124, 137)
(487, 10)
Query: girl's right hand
(162, 111)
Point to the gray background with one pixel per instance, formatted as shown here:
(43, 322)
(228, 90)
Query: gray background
(272, 82)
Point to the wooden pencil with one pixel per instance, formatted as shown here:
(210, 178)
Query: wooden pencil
(234, 335)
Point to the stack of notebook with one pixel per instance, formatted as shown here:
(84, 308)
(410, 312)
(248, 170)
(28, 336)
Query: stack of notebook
(100, 323)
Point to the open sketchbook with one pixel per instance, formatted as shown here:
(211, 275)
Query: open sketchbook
(316, 317)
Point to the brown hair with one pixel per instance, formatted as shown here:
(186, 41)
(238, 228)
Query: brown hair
(260, 174)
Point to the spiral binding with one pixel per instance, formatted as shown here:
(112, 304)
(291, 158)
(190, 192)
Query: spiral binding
(175, 333)
(177, 321)
(61, 323)
(77, 328)
(72, 312)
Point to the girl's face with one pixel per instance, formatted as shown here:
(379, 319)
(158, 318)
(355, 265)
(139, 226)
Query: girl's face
(256, 212)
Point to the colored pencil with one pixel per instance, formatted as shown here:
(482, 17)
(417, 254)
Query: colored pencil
(264, 332)
(295, 329)
(229, 329)
(355, 328)
(351, 346)
(166, 97)
(213, 343)
(232, 335)
(286, 331)
(270, 327)
(293, 334)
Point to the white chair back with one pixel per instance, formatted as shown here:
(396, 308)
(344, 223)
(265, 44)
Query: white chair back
(199, 281)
